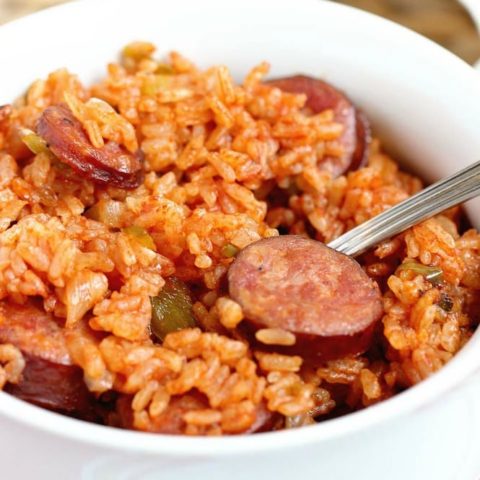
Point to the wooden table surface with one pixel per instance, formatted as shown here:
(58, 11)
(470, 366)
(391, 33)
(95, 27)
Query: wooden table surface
(444, 21)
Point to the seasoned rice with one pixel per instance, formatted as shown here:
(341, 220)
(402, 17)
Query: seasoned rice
(226, 164)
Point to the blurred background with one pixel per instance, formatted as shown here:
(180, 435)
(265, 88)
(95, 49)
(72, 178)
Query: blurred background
(444, 21)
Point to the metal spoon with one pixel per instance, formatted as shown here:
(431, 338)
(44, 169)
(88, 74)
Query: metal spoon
(453, 190)
(322, 297)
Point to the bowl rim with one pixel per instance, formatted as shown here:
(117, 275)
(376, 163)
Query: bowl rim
(462, 366)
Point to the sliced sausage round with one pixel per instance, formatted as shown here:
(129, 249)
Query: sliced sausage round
(49, 379)
(171, 421)
(265, 420)
(302, 287)
(356, 135)
(33, 331)
(66, 138)
(54, 386)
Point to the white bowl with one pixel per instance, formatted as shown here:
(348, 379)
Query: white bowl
(423, 101)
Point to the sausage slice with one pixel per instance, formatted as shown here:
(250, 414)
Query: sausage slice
(54, 386)
(356, 135)
(111, 164)
(34, 332)
(49, 379)
(171, 421)
(301, 286)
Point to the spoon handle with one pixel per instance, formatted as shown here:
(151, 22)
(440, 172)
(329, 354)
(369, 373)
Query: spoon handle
(458, 188)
